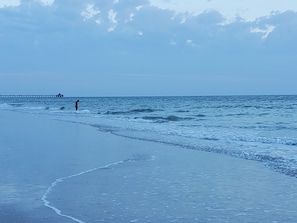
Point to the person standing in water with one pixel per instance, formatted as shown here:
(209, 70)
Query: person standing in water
(76, 105)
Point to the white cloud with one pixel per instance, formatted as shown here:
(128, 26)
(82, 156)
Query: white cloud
(268, 29)
(16, 3)
(90, 12)
(9, 3)
(98, 21)
(139, 7)
(183, 20)
(112, 18)
(191, 43)
(115, 1)
(249, 10)
(131, 16)
(45, 2)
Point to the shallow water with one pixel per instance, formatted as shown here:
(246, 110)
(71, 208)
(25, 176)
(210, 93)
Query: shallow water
(176, 186)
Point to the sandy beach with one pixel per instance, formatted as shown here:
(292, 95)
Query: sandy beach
(56, 171)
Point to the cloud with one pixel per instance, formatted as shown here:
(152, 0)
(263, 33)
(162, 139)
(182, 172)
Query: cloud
(89, 12)
(113, 14)
(131, 16)
(17, 3)
(231, 10)
(45, 2)
(265, 31)
(190, 42)
(112, 18)
(9, 3)
(51, 38)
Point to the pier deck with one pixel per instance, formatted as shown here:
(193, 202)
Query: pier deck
(32, 96)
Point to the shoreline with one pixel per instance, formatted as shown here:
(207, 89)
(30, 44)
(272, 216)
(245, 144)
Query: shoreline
(177, 184)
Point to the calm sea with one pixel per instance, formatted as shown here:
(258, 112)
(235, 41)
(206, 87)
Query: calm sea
(262, 128)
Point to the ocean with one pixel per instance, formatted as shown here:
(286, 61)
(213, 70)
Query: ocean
(261, 128)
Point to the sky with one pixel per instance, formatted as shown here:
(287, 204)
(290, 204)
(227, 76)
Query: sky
(148, 47)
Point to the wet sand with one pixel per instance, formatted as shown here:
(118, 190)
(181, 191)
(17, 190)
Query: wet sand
(54, 171)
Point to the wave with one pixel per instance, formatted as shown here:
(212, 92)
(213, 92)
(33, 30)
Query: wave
(16, 104)
(200, 115)
(280, 164)
(182, 111)
(3, 105)
(133, 111)
(11, 105)
(272, 141)
(170, 118)
(256, 107)
(52, 109)
(261, 140)
(46, 202)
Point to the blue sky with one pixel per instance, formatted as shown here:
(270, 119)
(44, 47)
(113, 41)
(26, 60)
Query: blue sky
(148, 47)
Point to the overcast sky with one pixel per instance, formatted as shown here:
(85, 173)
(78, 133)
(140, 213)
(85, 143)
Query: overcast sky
(148, 47)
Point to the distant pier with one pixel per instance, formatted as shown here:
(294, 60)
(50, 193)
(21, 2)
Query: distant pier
(32, 96)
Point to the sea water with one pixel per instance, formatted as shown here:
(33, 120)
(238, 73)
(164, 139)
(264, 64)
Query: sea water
(262, 128)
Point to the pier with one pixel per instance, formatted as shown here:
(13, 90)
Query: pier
(32, 96)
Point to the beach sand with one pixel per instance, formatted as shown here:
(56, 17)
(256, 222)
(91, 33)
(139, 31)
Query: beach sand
(55, 171)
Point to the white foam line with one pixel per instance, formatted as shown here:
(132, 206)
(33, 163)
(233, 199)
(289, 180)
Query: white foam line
(46, 203)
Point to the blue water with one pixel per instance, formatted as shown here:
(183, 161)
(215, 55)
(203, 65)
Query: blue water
(262, 128)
